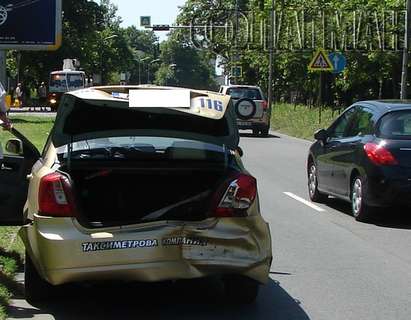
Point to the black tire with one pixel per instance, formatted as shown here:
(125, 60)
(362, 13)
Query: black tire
(265, 132)
(36, 289)
(360, 210)
(240, 289)
(248, 116)
(315, 195)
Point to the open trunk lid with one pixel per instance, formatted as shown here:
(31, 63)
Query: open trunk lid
(146, 111)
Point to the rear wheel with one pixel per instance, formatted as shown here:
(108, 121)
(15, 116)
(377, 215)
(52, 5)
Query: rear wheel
(265, 131)
(36, 289)
(315, 195)
(360, 210)
(240, 289)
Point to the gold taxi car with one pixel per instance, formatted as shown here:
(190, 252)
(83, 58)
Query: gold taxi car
(137, 184)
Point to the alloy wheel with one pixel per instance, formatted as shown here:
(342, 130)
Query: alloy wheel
(312, 180)
(356, 198)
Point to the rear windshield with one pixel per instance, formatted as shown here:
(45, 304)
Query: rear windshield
(241, 93)
(88, 118)
(396, 125)
(134, 148)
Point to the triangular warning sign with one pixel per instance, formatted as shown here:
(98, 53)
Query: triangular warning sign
(321, 62)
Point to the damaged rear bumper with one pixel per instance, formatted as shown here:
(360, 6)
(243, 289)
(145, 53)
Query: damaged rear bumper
(63, 251)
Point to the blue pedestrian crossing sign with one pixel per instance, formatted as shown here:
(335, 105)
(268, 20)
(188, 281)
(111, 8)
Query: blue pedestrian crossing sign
(339, 62)
(321, 62)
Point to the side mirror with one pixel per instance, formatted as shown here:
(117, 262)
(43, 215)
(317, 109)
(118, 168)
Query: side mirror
(240, 151)
(321, 135)
(14, 146)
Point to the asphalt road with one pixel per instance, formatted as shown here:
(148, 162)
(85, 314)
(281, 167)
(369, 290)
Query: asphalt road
(326, 266)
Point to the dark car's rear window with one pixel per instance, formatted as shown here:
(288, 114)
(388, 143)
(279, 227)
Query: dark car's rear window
(241, 93)
(395, 125)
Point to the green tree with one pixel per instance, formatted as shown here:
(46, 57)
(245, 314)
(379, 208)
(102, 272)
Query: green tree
(184, 66)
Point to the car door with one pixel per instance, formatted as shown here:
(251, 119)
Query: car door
(328, 151)
(13, 177)
(361, 124)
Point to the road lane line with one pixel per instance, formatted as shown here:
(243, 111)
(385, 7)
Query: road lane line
(307, 203)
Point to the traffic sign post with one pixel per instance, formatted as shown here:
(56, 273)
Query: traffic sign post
(145, 21)
(339, 62)
(321, 62)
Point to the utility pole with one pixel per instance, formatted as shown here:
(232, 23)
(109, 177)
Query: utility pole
(237, 29)
(3, 76)
(271, 67)
(404, 77)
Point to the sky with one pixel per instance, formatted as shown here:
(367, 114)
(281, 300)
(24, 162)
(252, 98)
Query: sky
(161, 12)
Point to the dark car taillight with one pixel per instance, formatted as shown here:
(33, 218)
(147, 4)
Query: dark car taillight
(265, 105)
(56, 198)
(379, 155)
(235, 197)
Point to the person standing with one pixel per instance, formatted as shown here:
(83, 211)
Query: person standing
(18, 94)
(42, 92)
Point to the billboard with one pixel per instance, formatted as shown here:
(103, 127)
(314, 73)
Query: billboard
(30, 24)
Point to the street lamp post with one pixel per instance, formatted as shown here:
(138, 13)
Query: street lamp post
(102, 55)
(148, 69)
(140, 61)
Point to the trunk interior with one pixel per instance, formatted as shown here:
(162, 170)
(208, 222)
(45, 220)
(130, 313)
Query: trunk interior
(118, 196)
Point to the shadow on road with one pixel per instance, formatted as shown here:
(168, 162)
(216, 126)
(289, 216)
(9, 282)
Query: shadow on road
(199, 299)
(396, 217)
(250, 135)
(20, 120)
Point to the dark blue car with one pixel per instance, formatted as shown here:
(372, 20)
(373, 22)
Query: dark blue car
(364, 157)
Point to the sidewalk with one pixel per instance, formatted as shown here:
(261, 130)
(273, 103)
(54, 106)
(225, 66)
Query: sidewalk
(27, 109)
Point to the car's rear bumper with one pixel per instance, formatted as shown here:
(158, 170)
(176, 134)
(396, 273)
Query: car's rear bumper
(383, 192)
(64, 252)
(259, 124)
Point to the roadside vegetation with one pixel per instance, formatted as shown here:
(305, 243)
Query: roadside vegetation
(11, 262)
(299, 120)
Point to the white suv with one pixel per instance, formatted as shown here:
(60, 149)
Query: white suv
(251, 108)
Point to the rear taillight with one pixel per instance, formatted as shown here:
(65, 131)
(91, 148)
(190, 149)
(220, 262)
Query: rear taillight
(265, 105)
(56, 197)
(379, 155)
(236, 198)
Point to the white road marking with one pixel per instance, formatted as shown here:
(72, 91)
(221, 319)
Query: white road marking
(307, 203)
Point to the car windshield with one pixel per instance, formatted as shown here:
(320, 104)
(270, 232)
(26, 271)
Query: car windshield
(241, 93)
(67, 79)
(75, 80)
(143, 147)
(58, 80)
(396, 125)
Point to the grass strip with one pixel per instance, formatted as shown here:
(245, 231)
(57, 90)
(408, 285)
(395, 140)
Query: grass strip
(300, 121)
(11, 261)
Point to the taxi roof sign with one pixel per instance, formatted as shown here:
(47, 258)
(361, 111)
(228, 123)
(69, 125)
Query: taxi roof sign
(179, 98)
(321, 62)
